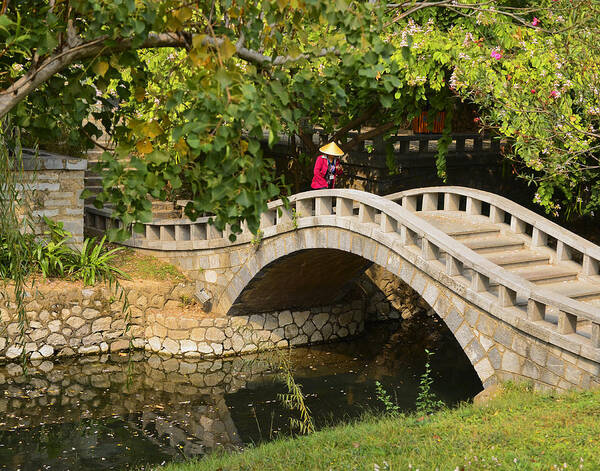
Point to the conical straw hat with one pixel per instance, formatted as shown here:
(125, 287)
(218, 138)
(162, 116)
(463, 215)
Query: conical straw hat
(332, 149)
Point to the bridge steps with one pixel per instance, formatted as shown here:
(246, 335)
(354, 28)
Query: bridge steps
(513, 251)
(519, 259)
(492, 244)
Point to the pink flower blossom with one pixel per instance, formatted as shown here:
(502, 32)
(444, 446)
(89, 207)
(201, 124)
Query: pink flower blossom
(496, 54)
(535, 21)
(533, 90)
(554, 94)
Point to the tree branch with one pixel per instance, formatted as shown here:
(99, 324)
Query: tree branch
(368, 135)
(76, 50)
(370, 111)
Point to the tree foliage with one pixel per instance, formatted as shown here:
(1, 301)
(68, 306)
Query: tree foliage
(190, 117)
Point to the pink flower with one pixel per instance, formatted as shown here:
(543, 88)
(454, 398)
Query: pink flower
(496, 54)
(535, 21)
(533, 90)
(554, 94)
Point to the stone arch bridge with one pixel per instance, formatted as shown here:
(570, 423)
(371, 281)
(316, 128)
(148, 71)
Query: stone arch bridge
(520, 294)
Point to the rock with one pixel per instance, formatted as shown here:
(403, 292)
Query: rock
(89, 350)
(215, 335)
(117, 345)
(285, 318)
(155, 344)
(204, 348)
(300, 317)
(36, 335)
(36, 356)
(104, 347)
(90, 313)
(316, 337)
(101, 324)
(2, 343)
(319, 320)
(291, 331)
(489, 393)
(56, 339)
(188, 346)
(46, 351)
(87, 293)
(170, 346)
(46, 366)
(186, 368)
(54, 325)
(66, 352)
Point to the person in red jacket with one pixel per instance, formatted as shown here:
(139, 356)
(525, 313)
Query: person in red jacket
(327, 167)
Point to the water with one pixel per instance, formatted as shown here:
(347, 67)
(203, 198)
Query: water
(81, 414)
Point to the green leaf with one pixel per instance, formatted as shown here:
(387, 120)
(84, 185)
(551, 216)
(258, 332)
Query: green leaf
(158, 157)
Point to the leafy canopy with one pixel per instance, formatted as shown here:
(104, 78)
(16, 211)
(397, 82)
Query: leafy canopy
(188, 119)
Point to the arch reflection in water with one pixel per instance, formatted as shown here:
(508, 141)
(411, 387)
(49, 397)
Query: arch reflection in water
(111, 413)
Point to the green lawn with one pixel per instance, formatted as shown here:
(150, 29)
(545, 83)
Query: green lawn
(518, 430)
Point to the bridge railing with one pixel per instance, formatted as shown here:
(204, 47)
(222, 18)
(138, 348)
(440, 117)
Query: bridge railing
(404, 230)
(542, 232)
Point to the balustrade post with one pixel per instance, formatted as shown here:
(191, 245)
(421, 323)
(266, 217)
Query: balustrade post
(428, 250)
(344, 207)
(152, 232)
(323, 206)
(536, 311)
(387, 223)
(198, 232)
(595, 335)
(517, 225)
(283, 215)
(506, 296)
(563, 251)
(453, 266)
(473, 206)
(304, 208)
(567, 323)
(590, 266)
(404, 147)
(479, 283)
(460, 144)
(213, 233)
(407, 237)
(410, 203)
(430, 202)
(496, 214)
(366, 213)
(538, 238)
(451, 202)
(267, 219)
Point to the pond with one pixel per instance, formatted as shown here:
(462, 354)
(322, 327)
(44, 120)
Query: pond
(120, 412)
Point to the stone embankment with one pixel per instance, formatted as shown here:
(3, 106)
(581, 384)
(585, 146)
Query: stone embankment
(65, 319)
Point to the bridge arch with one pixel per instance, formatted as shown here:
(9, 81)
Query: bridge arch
(448, 308)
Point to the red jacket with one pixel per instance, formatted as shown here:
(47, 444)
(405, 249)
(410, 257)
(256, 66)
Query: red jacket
(320, 171)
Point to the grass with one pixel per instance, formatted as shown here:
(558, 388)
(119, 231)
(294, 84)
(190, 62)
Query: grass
(145, 267)
(519, 430)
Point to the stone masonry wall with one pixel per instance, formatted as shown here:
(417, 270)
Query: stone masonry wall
(54, 186)
(65, 319)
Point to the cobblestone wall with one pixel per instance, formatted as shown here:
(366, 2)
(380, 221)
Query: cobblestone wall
(65, 319)
(55, 183)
